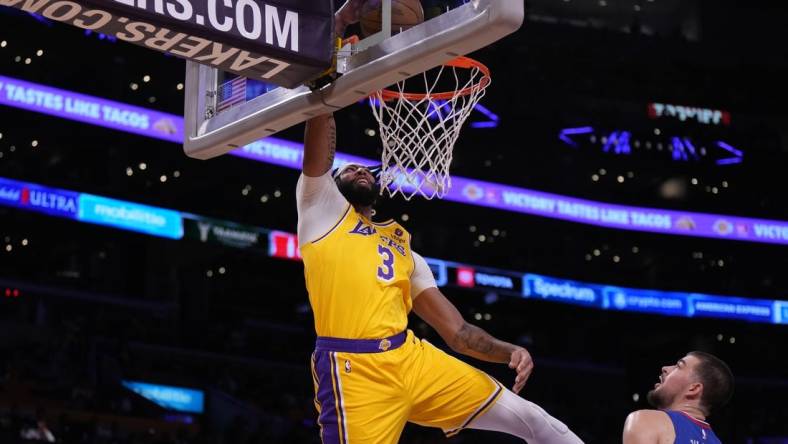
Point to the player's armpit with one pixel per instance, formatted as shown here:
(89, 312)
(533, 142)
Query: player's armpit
(646, 427)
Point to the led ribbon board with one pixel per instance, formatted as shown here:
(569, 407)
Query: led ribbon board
(116, 115)
(130, 216)
(667, 303)
(32, 197)
(285, 42)
(89, 109)
(170, 397)
(283, 245)
(537, 203)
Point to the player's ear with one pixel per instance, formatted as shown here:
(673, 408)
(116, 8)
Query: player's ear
(695, 390)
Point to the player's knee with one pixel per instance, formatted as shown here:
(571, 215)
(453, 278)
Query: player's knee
(547, 424)
(516, 416)
(543, 427)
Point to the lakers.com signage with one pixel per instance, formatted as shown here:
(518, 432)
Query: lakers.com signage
(285, 42)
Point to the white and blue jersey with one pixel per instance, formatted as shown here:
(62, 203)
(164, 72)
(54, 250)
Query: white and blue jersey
(690, 430)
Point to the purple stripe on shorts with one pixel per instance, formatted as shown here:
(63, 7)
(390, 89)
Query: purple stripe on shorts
(329, 426)
(340, 402)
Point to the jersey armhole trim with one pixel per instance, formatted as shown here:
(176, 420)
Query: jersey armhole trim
(696, 421)
(412, 257)
(339, 222)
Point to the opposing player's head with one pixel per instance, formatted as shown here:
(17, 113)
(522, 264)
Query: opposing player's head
(358, 183)
(698, 379)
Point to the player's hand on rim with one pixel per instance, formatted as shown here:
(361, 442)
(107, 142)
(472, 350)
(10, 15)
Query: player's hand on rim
(523, 364)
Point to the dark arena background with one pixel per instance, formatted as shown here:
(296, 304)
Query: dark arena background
(624, 202)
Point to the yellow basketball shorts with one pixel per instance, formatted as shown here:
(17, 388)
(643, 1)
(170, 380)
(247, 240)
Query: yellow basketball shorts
(366, 390)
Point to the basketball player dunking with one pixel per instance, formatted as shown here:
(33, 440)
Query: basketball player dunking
(685, 395)
(371, 375)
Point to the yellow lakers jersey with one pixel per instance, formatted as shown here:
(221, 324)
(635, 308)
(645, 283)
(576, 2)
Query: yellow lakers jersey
(358, 278)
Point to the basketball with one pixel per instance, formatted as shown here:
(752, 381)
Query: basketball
(404, 15)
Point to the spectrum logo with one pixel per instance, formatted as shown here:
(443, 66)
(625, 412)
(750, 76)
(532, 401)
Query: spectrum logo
(559, 289)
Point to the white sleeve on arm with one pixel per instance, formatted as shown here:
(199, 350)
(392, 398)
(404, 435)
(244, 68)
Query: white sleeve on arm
(320, 206)
(422, 277)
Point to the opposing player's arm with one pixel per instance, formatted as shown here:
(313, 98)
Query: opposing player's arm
(320, 145)
(647, 427)
(436, 310)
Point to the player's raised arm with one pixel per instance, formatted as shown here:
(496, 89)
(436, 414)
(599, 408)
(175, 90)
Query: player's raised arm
(320, 145)
(320, 138)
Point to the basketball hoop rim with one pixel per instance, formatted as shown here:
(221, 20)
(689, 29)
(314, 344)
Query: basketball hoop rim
(459, 62)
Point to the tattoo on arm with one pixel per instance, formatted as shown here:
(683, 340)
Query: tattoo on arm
(332, 140)
(473, 341)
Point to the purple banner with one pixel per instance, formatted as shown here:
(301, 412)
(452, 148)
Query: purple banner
(653, 220)
(503, 197)
(288, 154)
(467, 191)
(89, 109)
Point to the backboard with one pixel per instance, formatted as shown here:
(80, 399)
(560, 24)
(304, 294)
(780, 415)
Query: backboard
(224, 112)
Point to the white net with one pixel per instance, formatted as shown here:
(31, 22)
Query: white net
(419, 130)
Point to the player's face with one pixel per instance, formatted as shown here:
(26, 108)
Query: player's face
(358, 185)
(673, 381)
(359, 176)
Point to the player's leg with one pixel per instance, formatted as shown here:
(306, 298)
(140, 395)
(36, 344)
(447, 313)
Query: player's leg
(358, 400)
(516, 416)
(453, 395)
(447, 393)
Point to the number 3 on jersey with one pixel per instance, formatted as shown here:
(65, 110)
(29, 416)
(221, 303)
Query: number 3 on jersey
(386, 270)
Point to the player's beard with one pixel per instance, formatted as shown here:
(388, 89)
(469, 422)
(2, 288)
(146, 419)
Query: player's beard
(657, 399)
(357, 195)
